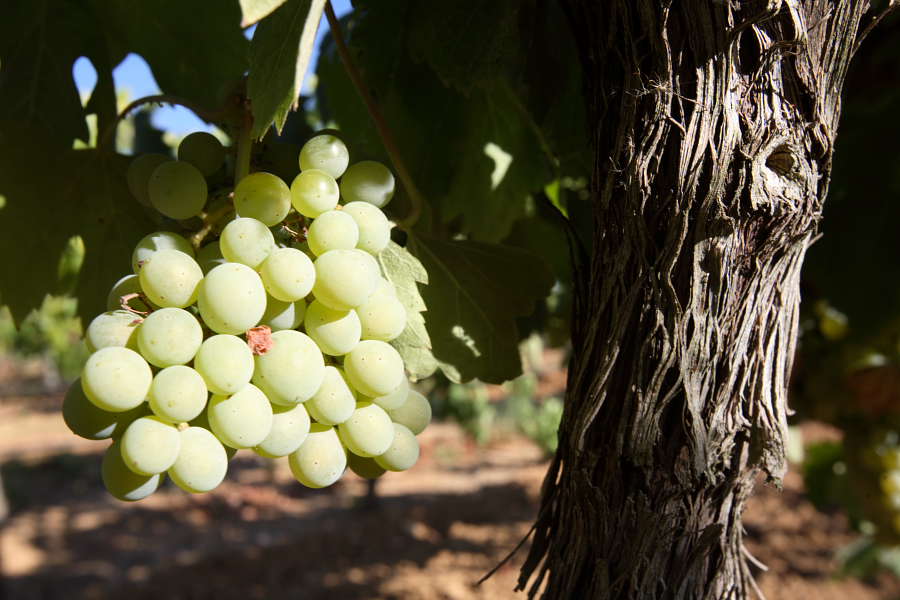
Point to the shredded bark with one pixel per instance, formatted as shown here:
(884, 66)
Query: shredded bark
(260, 339)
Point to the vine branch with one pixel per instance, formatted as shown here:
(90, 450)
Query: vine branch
(384, 131)
(892, 5)
(110, 131)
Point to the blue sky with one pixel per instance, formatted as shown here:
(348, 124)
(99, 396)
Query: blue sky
(134, 75)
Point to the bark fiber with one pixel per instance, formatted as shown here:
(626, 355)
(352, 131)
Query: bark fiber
(713, 123)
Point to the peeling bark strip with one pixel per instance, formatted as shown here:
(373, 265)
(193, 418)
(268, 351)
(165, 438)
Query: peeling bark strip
(713, 126)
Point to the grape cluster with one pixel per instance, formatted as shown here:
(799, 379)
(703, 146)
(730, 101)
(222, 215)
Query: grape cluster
(279, 347)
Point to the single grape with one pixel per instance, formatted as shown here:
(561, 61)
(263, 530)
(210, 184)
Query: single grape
(321, 459)
(171, 279)
(290, 426)
(202, 421)
(246, 241)
(225, 362)
(232, 299)
(203, 150)
(177, 190)
(169, 336)
(382, 317)
(116, 379)
(395, 399)
(374, 227)
(345, 278)
(332, 230)
(130, 284)
(202, 461)
(325, 152)
(177, 394)
(283, 315)
(150, 445)
(368, 181)
(335, 331)
(153, 243)
(114, 328)
(334, 401)
(123, 483)
(403, 452)
(890, 482)
(374, 368)
(288, 274)
(368, 431)
(138, 175)
(415, 413)
(264, 197)
(241, 420)
(210, 256)
(364, 466)
(314, 192)
(292, 370)
(87, 421)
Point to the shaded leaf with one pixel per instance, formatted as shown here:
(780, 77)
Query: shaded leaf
(279, 57)
(254, 10)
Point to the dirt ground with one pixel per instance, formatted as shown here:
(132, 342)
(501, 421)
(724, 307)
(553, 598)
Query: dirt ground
(431, 534)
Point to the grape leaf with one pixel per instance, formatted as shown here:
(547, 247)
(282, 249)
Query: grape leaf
(475, 292)
(279, 57)
(89, 198)
(405, 271)
(255, 10)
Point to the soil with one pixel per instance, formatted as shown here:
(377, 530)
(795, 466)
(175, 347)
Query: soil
(428, 534)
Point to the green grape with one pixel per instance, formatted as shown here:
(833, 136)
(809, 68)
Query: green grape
(153, 243)
(292, 370)
(374, 368)
(290, 426)
(123, 483)
(116, 379)
(202, 461)
(225, 362)
(395, 399)
(138, 175)
(368, 181)
(203, 150)
(334, 401)
(177, 190)
(114, 328)
(232, 298)
(150, 445)
(283, 315)
(171, 279)
(415, 413)
(321, 459)
(264, 197)
(246, 241)
(241, 420)
(374, 227)
(383, 317)
(364, 466)
(130, 284)
(335, 331)
(403, 452)
(332, 230)
(169, 336)
(210, 256)
(87, 421)
(202, 421)
(314, 192)
(288, 274)
(177, 394)
(325, 152)
(890, 482)
(368, 431)
(345, 278)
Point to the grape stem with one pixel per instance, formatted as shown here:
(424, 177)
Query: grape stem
(387, 138)
(209, 221)
(206, 115)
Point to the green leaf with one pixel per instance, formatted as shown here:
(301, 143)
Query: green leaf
(86, 196)
(405, 271)
(279, 57)
(475, 292)
(195, 48)
(254, 10)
